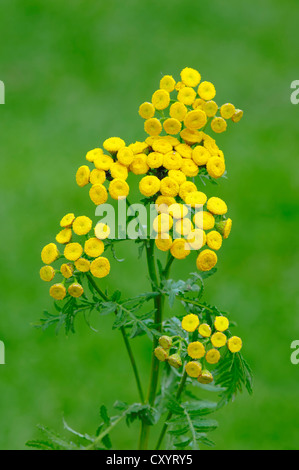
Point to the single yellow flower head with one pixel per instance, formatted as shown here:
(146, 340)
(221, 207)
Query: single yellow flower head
(103, 162)
(186, 188)
(175, 361)
(58, 291)
(178, 111)
(163, 202)
(205, 330)
(205, 377)
(179, 86)
(191, 136)
(234, 344)
(97, 176)
(186, 95)
(102, 231)
(169, 187)
(47, 273)
(98, 194)
(224, 227)
(197, 198)
(162, 223)
(196, 239)
(154, 159)
(190, 77)
(215, 167)
(210, 108)
(161, 354)
(161, 99)
(67, 220)
(67, 270)
(167, 83)
(218, 340)
(119, 171)
(227, 110)
(200, 155)
(214, 240)
(180, 249)
(94, 247)
(64, 236)
(172, 126)
(100, 267)
(82, 176)
(92, 154)
(139, 165)
(113, 144)
(218, 125)
(196, 350)
(193, 369)
(82, 265)
(183, 226)
(206, 91)
(165, 342)
(75, 290)
(184, 150)
(73, 251)
(195, 119)
(82, 225)
(49, 253)
(178, 211)
(162, 146)
(206, 260)
(172, 161)
(189, 168)
(138, 147)
(216, 206)
(213, 356)
(118, 189)
(153, 126)
(199, 104)
(221, 323)
(190, 322)
(171, 139)
(238, 115)
(149, 185)
(163, 241)
(146, 110)
(178, 176)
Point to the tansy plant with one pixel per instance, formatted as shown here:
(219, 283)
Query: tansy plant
(193, 349)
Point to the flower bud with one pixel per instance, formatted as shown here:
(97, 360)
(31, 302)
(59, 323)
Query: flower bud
(165, 342)
(161, 354)
(175, 361)
(205, 377)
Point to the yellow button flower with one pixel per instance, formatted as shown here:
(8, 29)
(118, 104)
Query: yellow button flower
(180, 249)
(149, 185)
(224, 227)
(67, 220)
(67, 270)
(75, 290)
(92, 154)
(161, 99)
(227, 110)
(138, 147)
(183, 226)
(139, 165)
(102, 231)
(161, 354)
(205, 377)
(186, 95)
(234, 344)
(190, 322)
(98, 194)
(172, 126)
(171, 139)
(58, 291)
(189, 168)
(113, 144)
(163, 203)
(195, 119)
(103, 162)
(175, 361)
(82, 176)
(206, 91)
(215, 167)
(49, 253)
(197, 198)
(199, 104)
(97, 176)
(73, 251)
(167, 83)
(82, 265)
(191, 136)
(210, 108)
(216, 206)
(119, 171)
(172, 161)
(213, 356)
(200, 155)
(218, 125)
(154, 159)
(184, 150)
(100, 267)
(190, 77)
(153, 126)
(193, 369)
(178, 176)
(214, 240)
(64, 236)
(146, 110)
(186, 188)
(47, 273)
(238, 115)
(206, 260)
(178, 111)
(196, 350)
(118, 189)
(218, 340)
(169, 187)
(162, 223)
(94, 247)
(178, 211)
(162, 146)
(163, 241)
(196, 239)
(221, 323)
(165, 342)
(82, 225)
(205, 330)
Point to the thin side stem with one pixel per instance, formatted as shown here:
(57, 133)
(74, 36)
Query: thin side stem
(126, 341)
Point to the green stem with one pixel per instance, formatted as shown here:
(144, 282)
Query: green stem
(104, 433)
(168, 417)
(126, 341)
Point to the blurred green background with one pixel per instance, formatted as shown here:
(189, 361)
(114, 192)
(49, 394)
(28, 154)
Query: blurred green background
(75, 74)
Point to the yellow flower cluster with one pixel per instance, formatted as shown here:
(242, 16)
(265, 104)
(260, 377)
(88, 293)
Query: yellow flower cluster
(205, 351)
(78, 257)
